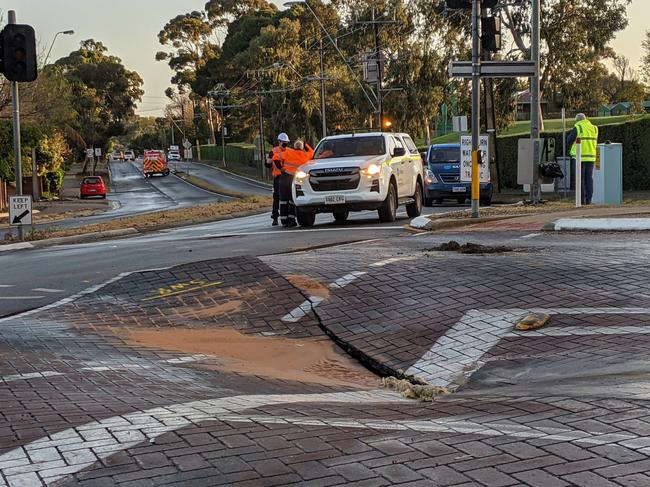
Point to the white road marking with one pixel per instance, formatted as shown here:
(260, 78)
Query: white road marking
(6, 285)
(105, 367)
(310, 303)
(75, 296)
(530, 235)
(283, 231)
(21, 297)
(454, 424)
(31, 375)
(457, 354)
(582, 331)
(47, 290)
(392, 260)
(98, 440)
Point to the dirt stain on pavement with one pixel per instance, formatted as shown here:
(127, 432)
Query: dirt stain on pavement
(311, 286)
(315, 361)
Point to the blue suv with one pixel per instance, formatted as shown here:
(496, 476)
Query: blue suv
(442, 177)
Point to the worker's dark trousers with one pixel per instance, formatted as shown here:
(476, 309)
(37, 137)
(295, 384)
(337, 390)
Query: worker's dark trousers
(287, 207)
(587, 182)
(276, 197)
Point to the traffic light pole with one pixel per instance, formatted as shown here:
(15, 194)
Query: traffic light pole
(476, 110)
(534, 98)
(15, 102)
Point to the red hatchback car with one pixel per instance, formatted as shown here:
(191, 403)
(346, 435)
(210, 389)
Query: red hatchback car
(92, 186)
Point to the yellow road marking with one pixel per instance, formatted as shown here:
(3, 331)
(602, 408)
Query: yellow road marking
(163, 293)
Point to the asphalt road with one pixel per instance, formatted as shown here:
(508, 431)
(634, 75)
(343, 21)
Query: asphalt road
(223, 179)
(36, 277)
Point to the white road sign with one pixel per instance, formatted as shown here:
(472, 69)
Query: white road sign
(98, 152)
(89, 152)
(187, 144)
(20, 210)
(466, 158)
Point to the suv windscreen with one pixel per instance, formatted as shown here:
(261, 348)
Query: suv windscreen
(350, 147)
(444, 155)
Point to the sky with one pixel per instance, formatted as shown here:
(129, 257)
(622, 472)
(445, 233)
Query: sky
(129, 28)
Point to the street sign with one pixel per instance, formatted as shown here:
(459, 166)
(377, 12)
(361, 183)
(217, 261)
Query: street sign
(460, 123)
(466, 158)
(20, 210)
(187, 144)
(188, 153)
(98, 152)
(89, 152)
(493, 69)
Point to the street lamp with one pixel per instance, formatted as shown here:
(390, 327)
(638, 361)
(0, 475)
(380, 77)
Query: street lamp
(322, 70)
(65, 32)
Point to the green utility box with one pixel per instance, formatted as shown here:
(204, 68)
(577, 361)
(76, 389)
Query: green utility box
(608, 175)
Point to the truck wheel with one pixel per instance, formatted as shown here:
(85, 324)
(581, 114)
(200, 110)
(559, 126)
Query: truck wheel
(341, 216)
(388, 209)
(415, 209)
(306, 219)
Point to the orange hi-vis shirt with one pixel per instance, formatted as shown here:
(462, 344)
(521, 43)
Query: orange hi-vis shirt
(294, 158)
(277, 155)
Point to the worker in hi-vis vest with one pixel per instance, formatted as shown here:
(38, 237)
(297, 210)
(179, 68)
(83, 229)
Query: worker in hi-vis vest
(588, 135)
(274, 162)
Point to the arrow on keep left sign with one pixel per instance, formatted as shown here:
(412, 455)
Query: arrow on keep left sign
(18, 218)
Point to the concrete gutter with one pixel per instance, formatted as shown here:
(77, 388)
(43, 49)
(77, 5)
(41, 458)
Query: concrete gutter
(599, 225)
(425, 223)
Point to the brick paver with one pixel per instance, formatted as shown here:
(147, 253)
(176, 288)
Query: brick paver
(539, 410)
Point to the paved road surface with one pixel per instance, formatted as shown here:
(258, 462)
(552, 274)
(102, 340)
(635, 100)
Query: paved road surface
(224, 179)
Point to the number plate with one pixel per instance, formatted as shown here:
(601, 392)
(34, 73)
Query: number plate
(459, 189)
(334, 199)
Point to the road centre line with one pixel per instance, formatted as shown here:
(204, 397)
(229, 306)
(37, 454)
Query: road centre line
(47, 290)
(392, 260)
(530, 235)
(310, 303)
(99, 440)
(457, 354)
(9, 298)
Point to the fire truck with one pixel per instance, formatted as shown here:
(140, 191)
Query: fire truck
(155, 162)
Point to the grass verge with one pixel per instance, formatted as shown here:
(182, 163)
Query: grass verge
(161, 219)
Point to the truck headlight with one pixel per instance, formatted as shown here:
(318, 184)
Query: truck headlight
(372, 170)
(301, 174)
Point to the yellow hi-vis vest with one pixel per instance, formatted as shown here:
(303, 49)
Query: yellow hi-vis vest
(588, 135)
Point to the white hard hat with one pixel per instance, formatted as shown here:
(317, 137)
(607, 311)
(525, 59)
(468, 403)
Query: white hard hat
(283, 137)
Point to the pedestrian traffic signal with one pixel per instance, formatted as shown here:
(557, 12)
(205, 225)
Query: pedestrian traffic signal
(18, 57)
(491, 33)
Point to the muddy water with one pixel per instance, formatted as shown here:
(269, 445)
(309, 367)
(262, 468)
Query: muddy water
(303, 360)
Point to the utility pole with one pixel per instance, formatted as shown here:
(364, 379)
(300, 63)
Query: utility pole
(15, 101)
(476, 111)
(378, 60)
(262, 148)
(490, 116)
(322, 91)
(535, 195)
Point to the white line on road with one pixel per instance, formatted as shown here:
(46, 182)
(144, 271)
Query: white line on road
(47, 290)
(457, 354)
(101, 439)
(308, 304)
(9, 298)
(6, 285)
(105, 366)
(530, 235)
(392, 260)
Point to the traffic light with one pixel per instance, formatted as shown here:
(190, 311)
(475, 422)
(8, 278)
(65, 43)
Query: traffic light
(18, 42)
(491, 33)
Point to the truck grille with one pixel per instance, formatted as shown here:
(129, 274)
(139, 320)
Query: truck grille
(450, 178)
(334, 179)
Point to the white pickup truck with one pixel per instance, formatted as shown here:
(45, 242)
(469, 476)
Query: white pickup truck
(356, 172)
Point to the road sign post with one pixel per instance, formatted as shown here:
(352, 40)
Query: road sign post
(476, 99)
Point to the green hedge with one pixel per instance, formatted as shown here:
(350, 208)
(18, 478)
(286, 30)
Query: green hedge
(635, 137)
(236, 153)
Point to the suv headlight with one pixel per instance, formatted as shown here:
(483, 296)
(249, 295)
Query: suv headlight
(429, 177)
(372, 170)
(301, 174)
